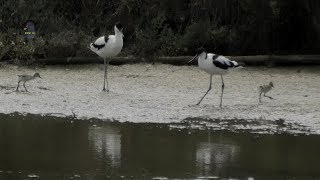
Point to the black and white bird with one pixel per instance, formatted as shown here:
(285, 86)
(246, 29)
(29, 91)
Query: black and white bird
(25, 78)
(214, 64)
(107, 47)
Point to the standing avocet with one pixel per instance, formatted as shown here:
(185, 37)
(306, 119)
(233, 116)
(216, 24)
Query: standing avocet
(107, 47)
(214, 65)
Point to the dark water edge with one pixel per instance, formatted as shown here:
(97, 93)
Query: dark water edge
(64, 148)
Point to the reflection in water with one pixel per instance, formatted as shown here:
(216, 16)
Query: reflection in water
(214, 156)
(107, 143)
(56, 148)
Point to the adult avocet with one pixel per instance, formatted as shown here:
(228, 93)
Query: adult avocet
(107, 47)
(214, 65)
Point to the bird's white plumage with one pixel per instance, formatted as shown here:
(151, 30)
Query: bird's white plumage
(111, 48)
(206, 63)
(100, 41)
(107, 48)
(227, 61)
(214, 65)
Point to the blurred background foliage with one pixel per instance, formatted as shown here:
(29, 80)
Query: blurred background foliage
(161, 27)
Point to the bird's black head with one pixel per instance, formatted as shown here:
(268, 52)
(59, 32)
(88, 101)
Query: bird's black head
(271, 84)
(201, 50)
(36, 75)
(119, 26)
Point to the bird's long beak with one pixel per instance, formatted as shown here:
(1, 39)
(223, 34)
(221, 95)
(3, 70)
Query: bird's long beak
(121, 30)
(193, 58)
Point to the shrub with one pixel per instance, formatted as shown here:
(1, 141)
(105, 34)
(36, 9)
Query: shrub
(61, 44)
(4, 46)
(169, 43)
(196, 35)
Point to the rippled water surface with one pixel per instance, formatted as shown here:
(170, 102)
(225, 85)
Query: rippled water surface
(35, 147)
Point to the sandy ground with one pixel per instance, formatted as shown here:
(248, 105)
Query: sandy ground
(164, 93)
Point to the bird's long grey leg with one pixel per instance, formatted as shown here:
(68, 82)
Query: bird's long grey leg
(222, 89)
(267, 96)
(207, 90)
(260, 96)
(18, 86)
(24, 85)
(105, 74)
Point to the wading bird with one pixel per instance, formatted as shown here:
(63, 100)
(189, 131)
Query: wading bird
(107, 47)
(25, 78)
(264, 89)
(214, 64)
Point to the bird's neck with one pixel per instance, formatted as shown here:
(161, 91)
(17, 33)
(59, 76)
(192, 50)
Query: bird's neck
(119, 36)
(118, 33)
(203, 56)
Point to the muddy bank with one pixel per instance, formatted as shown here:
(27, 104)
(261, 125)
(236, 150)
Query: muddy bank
(164, 94)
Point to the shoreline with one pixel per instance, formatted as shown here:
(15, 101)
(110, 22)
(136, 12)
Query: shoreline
(145, 93)
(252, 126)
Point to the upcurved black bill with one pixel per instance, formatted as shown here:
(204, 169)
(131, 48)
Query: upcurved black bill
(193, 58)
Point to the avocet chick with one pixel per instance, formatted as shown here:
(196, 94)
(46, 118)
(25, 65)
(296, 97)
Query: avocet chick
(264, 89)
(25, 78)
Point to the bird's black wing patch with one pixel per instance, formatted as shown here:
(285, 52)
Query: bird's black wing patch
(98, 46)
(214, 57)
(222, 64)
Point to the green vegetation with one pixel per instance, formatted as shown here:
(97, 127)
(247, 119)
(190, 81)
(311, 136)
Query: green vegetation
(161, 27)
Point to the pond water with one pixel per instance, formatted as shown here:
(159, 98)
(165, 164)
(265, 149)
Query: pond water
(36, 147)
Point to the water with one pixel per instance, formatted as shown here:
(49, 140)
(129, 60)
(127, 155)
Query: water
(35, 147)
